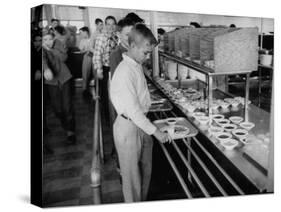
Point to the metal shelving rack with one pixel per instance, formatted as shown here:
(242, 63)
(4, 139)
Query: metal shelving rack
(210, 73)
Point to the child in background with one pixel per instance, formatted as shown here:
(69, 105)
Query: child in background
(58, 80)
(85, 47)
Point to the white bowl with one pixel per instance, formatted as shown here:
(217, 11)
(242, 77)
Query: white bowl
(236, 119)
(214, 130)
(240, 133)
(190, 108)
(224, 105)
(198, 114)
(171, 121)
(229, 144)
(229, 100)
(229, 127)
(203, 120)
(217, 117)
(222, 122)
(235, 103)
(247, 125)
(223, 136)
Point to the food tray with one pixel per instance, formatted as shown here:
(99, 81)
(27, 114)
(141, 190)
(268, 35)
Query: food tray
(161, 105)
(180, 121)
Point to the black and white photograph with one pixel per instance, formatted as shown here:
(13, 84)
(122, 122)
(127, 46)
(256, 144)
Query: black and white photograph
(131, 105)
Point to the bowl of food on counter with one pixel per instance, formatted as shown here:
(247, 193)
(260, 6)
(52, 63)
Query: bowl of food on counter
(196, 115)
(240, 133)
(229, 144)
(229, 100)
(229, 127)
(216, 117)
(189, 107)
(203, 120)
(222, 122)
(236, 119)
(222, 136)
(235, 103)
(247, 125)
(214, 130)
(224, 105)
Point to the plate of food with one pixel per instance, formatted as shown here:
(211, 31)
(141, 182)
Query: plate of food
(176, 131)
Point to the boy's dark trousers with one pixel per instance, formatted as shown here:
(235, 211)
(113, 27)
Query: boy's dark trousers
(61, 100)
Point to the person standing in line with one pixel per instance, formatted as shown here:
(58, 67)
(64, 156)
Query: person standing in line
(85, 47)
(97, 32)
(104, 45)
(54, 23)
(132, 129)
(58, 80)
(124, 27)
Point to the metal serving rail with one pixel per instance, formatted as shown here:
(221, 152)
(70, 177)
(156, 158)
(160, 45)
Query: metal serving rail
(191, 173)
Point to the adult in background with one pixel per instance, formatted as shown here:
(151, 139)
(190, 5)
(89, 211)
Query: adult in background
(104, 45)
(132, 129)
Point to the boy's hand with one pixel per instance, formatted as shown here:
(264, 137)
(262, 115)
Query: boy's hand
(48, 74)
(162, 137)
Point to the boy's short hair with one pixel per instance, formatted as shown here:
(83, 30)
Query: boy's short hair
(124, 23)
(141, 30)
(161, 31)
(110, 17)
(98, 20)
(85, 29)
(134, 17)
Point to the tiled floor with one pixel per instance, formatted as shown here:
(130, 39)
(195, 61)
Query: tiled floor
(66, 173)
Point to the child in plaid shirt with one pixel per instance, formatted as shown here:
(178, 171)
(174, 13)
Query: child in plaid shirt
(104, 45)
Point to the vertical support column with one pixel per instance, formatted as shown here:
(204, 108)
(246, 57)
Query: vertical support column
(270, 175)
(210, 95)
(155, 55)
(261, 39)
(259, 87)
(86, 17)
(247, 91)
(55, 11)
